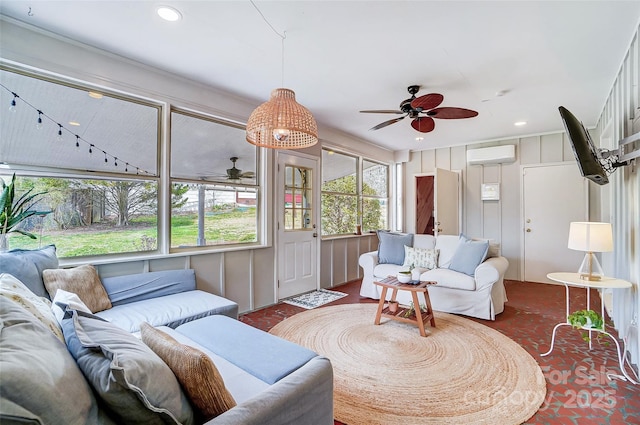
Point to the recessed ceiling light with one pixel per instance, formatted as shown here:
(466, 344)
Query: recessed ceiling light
(419, 138)
(95, 95)
(169, 13)
(520, 123)
(74, 123)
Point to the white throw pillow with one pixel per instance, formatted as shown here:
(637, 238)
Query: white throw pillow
(420, 257)
(64, 298)
(40, 307)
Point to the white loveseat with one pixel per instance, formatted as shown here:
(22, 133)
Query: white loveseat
(482, 295)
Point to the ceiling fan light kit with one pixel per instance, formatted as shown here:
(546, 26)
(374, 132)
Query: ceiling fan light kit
(428, 105)
(282, 123)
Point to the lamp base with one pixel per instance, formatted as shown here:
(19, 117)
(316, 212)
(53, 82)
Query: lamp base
(590, 268)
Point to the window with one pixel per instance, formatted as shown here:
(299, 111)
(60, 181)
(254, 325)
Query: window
(93, 154)
(354, 193)
(213, 183)
(374, 196)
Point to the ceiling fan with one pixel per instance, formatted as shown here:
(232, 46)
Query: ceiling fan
(232, 173)
(235, 174)
(422, 110)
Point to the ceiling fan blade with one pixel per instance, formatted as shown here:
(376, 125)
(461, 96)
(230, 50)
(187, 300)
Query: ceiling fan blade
(248, 175)
(423, 124)
(448, 113)
(386, 123)
(428, 101)
(383, 111)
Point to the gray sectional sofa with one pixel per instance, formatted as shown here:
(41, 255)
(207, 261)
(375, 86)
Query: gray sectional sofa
(44, 381)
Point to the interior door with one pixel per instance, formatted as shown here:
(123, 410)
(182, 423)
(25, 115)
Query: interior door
(297, 235)
(447, 202)
(553, 197)
(425, 205)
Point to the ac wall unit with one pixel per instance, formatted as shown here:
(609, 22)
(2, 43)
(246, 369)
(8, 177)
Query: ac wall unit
(491, 155)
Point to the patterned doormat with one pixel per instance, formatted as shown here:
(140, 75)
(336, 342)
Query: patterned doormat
(315, 299)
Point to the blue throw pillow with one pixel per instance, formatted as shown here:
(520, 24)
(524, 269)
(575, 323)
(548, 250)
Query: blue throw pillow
(391, 247)
(468, 255)
(133, 383)
(27, 266)
(41, 382)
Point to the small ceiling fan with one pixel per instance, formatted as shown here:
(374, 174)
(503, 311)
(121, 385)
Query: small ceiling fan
(422, 110)
(235, 174)
(232, 173)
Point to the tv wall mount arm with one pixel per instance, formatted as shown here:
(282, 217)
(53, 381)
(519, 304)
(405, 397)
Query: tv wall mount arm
(628, 151)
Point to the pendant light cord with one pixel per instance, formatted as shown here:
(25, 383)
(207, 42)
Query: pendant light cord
(282, 36)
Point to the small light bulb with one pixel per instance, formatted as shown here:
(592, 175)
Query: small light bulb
(90, 149)
(77, 142)
(39, 123)
(281, 134)
(59, 138)
(12, 107)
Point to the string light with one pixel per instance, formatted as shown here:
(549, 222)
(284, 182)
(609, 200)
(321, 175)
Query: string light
(59, 136)
(12, 107)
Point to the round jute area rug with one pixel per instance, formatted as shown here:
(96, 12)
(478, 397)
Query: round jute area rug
(461, 373)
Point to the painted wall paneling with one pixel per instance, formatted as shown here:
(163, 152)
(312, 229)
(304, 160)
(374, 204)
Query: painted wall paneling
(621, 203)
(500, 219)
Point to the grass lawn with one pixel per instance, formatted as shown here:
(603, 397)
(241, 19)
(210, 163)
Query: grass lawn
(234, 226)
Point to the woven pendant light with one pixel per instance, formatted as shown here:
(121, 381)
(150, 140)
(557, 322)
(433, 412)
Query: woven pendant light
(282, 123)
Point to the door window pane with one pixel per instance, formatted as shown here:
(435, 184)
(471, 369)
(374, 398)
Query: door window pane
(297, 199)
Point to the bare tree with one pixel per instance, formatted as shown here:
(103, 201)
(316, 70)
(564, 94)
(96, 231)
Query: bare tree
(127, 198)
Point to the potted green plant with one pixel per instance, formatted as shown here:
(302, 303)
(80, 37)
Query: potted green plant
(15, 210)
(586, 319)
(411, 310)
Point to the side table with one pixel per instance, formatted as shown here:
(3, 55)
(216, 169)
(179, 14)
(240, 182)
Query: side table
(573, 279)
(417, 317)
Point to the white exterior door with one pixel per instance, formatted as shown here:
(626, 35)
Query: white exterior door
(447, 202)
(553, 197)
(296, 221)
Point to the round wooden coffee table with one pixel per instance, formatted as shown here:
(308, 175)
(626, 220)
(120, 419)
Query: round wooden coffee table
(417, 316)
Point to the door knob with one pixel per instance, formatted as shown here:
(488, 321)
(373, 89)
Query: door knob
(528, 230)
(439, 230)
(315, 234)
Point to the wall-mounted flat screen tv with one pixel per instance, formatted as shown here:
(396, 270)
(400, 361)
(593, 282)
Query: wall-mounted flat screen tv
(584, 149)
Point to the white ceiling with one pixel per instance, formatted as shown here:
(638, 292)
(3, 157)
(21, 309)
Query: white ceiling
(345, 56)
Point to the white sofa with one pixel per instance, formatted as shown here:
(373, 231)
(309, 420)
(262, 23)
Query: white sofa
(482, 295)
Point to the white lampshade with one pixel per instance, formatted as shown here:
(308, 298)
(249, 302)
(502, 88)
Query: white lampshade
(590, 236)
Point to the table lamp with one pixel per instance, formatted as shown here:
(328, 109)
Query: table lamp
(590, 237)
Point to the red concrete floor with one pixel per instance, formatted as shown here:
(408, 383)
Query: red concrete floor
(578, 390)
